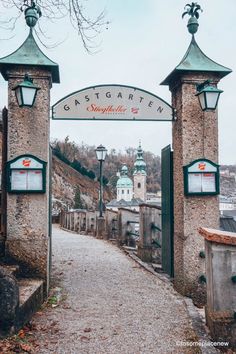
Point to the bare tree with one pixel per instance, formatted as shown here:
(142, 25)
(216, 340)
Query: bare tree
(87, 27)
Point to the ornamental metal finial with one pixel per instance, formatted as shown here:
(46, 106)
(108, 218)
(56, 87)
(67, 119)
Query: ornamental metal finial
(193, 11)
(32, 13)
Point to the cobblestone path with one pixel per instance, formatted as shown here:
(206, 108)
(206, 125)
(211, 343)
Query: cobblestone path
(109, 304)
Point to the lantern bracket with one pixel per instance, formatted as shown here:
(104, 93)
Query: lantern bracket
(201, 86)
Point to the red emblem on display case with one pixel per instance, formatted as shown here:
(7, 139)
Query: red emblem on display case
(26, 163)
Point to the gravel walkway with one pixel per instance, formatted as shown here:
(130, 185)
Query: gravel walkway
(109, 304)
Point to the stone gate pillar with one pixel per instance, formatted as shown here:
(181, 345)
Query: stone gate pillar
(195, 136)
(28, 218)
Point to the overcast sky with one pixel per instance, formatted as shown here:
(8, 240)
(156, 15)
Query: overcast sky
(144, 42)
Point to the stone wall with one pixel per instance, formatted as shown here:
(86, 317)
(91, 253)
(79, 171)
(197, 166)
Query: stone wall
(149, 245)
(111, 224)
(82, 221)
(126, 225)
(220, 310)
(91, 222)
(9, 300)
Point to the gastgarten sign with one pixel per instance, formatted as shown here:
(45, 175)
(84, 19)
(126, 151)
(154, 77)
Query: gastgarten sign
(112, 102)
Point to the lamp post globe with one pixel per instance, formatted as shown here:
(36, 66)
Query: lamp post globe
(101, 153)
(26, 92)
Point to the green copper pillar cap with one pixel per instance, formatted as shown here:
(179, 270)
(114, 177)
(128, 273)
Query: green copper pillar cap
(29, 54)
(194, 59)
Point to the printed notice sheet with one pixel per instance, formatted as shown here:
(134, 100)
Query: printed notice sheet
(19, 180)
(35, 181)
(194, 183)
(23, 180)
(208, 182)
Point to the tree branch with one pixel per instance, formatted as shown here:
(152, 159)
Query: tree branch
(53, 10)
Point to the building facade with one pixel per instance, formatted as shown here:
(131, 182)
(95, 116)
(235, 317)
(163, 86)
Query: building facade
(124, 186)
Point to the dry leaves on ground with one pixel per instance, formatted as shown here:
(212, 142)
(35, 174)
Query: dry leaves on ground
(22, 342)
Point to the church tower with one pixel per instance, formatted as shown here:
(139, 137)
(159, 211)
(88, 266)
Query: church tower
(140, 175)
(124, 186)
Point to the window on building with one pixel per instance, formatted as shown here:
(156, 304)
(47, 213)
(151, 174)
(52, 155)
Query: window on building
(139, 185)
(128, 191)
(123, 191)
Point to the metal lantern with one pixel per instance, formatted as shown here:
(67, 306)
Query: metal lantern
(208, 96)
(26, 92)
(101, 152)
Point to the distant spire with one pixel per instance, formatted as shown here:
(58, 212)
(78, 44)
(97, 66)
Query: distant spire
(140, 165)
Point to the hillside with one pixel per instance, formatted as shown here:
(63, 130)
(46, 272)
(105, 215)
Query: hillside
(65, 181)
(83, 158)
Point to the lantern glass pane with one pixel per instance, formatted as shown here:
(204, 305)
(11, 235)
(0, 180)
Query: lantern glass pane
(202, 101)
(18, 96)
(28, 96)
(99, 154)
(211, 99)
(104, 154)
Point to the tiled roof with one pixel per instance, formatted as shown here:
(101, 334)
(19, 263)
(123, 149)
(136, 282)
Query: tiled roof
(230, 213)
(227, 223)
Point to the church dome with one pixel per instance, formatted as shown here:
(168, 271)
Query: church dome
(124, 181)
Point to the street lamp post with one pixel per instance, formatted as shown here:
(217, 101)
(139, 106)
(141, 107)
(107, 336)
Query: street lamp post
(101, 152)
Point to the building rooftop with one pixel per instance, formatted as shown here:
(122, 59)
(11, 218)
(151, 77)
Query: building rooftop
(123, 203)
(231, 213)
(228, 223)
